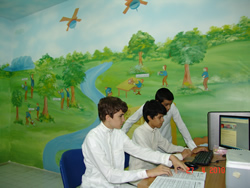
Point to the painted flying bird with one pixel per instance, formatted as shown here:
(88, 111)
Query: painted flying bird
(133, 4)
(71, 21)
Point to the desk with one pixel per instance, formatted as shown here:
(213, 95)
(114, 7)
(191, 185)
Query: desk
(128, 85)
(213, 178)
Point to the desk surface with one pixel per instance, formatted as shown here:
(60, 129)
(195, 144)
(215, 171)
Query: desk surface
(215, 174)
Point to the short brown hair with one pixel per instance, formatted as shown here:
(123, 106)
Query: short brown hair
(109, 106)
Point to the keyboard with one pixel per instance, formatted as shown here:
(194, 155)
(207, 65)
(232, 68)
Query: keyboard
(203, 158)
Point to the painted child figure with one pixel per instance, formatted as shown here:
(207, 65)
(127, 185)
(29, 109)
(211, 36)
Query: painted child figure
(104, 146)
(108, 91)
(205, 78)
(68, 96)
(149, 136)
(32, 85)
(138, 86)
(164, 74)
(37, 111)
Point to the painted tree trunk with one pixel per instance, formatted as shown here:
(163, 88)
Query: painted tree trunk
(140, 58)
(17, 117)
(187, 78)
(45, 107)
(72, 95)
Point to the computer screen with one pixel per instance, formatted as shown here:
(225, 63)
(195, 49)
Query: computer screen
(234, 132)
(213, 125)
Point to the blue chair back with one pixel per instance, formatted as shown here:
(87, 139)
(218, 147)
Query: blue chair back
(72, 168)
(127, 156)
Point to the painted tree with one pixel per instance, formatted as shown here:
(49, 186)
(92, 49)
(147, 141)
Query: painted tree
(87, 56)
(214, 33)
(17, 100)
(126, 54)
(97, 55)
(140, 43)
(244, 25)
(107, 53)
(186, 49)
(73, 72)
(46, 86)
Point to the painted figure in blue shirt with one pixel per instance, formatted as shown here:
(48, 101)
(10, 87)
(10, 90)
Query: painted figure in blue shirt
(68, 96)
(138, 85)
(205, 77)
(37, 110)
(28, 116)
(164, 74)
(108, 91)
(32, 85)
(62, 98)
(26, 91)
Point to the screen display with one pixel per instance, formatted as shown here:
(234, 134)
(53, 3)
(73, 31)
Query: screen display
(234, 132)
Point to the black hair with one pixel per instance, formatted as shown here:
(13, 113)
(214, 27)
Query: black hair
(109, 106)
(153, 108)
(164, 94)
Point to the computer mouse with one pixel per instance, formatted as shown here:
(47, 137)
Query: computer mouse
(192, 166)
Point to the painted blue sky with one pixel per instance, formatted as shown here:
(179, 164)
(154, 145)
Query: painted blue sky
(104, 24)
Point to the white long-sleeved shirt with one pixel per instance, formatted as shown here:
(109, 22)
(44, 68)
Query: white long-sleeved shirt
(148, 137)
(166, 127)
(103, 150)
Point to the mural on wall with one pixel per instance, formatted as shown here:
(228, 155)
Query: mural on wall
(56, 82)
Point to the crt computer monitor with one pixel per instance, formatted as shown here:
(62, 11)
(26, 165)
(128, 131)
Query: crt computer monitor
(234, 132)
(213, 125)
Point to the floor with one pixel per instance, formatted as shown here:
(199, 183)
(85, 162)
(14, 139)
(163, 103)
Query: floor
(13, 175)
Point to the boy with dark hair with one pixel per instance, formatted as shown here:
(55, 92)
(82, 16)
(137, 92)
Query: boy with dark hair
(104, 146)
(166, 97)
(149, 136)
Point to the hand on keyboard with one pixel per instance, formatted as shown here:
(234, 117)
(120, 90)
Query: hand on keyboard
(186, 153)
(199, 149)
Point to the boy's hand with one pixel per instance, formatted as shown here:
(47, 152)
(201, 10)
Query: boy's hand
(159, 170)
(198, 149)
(178, 165)
(186, 153)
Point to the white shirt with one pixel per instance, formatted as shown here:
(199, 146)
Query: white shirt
(148, 137)
(166, 127)
(103, 151)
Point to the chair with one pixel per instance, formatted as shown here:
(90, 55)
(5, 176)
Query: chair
(126, 163)
(72, 167)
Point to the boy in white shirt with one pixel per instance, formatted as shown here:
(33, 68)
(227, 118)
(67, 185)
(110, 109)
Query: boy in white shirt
(104, 146)
(149, 136)
(166, 97)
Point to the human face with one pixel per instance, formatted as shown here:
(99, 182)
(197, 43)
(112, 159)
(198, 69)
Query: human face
(167, 104)
(116, 122)
(156, 122)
